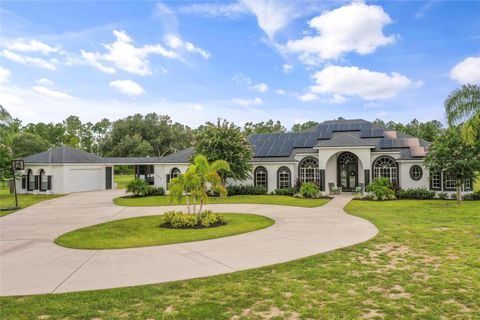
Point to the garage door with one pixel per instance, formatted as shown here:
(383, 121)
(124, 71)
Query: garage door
(85, 180)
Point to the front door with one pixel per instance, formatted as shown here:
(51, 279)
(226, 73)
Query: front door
(108, 178)
(347, 167)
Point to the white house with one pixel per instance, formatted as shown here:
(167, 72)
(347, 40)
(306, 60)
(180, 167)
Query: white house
(346, 153)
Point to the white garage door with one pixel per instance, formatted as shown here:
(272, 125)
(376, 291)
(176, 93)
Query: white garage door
(85, 180)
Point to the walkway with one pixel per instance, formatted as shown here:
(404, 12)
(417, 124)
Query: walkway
(32, 264)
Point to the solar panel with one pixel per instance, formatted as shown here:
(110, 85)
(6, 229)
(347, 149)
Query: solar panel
(354, 126)
(325, 135)
(391, 134)
(386, 144)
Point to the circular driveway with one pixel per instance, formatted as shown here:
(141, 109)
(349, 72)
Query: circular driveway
(30, 263)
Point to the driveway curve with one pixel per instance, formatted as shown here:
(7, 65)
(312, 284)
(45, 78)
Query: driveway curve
(30, 263)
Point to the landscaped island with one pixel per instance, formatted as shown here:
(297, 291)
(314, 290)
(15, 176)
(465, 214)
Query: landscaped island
(148, 231)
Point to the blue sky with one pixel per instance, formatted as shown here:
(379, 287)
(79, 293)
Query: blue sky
(292, 61)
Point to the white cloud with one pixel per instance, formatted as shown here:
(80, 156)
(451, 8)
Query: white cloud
(92, 58)
(353, 81)
(198, 107)
(335, 99)
(355, 27)
(260, 87)
(247, 102)
(280, 92)
(272, 16)
(127, 87)
(287, 68)
(52, 93)
(4, 74)
(24, 45)
(45, 82)
(467, 71)
(240, 78)
(177, 43)
(230, 10)
(307, 97)
(29, 61)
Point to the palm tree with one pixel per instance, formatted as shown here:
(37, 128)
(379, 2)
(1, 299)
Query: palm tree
(463, 107)
(200, 177)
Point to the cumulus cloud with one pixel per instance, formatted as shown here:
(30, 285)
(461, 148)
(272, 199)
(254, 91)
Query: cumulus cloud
(28, 60)
(307, 97)
(25, 45)
(52, 93)
(260, 87)
(229, 10)
(356, 27)
(242, 79)
(280, 92)
(127, 87)
(247, 102)
(175, 42)
(45, 82)
(287, 68)
(4, 74)
(353, 81)
(467, 71)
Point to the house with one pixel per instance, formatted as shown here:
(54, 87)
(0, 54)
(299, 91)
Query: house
(343, 152)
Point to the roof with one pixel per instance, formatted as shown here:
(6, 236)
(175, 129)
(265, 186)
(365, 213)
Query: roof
(132, 160)
(64, 154)
(344, 140)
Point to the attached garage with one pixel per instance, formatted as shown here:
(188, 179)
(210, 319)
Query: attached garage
(85, 179)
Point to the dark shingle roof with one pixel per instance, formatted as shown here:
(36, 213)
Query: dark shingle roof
(344, 140)
(132, 160)
(64, 154)
(182, 156)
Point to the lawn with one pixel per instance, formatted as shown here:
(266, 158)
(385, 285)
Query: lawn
(123, 180)
(263, 199)
(24, 200)
(145, 231)
(424, 264)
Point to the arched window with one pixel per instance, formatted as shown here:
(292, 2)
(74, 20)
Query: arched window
(30, 180)
(174, 173)
(261, 177)
(416, 172)
(309, 171)
(385, 167)
(43, 180)
(284, 178)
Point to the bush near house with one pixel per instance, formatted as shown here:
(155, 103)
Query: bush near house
(180, 220)
(309, 190)
(140, 188)
(382, 189)
(285, 192)
(472, 196)
(442, 195)
(416, 193)
(246, 190)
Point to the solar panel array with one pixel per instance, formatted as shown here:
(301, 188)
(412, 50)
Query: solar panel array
(373, 133)
(399, 143)
(281, 144)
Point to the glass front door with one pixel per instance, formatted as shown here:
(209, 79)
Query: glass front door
(347, 171)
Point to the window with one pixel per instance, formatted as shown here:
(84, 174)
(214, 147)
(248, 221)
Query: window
(416, 172)
(173, 174)
(43, 180)
(385, 167)
(309, 171)
(468, 184)
(283, 178)
(435, 180)
(30, 180)
(448, 182)
(261, 177)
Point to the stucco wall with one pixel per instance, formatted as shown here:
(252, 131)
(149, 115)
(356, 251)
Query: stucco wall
(407, 182)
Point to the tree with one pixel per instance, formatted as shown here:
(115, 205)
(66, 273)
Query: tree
(453, 156)
(200, 177)
(263, 127)
(299, 127)
(26, 144)
(133, 146)
(429, 130)
(225, 141)
(463, 107)
(73, 128)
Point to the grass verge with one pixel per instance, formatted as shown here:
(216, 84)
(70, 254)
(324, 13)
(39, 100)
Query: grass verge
(424, 264)
(242, 199)
(145, 231)
(122, 180)
(24, 200)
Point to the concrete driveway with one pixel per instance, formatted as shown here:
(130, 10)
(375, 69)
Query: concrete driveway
(30, 263)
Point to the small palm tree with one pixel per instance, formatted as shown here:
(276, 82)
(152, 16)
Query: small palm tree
(200, 177)
(463, 107)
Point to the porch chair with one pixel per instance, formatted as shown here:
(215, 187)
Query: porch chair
(333, 189)
(358, 189)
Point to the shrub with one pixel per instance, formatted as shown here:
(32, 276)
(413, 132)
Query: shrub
(382, 189)
(442, 195)
(309, 190)
(416, 193)
(453, 196)
(472, 196)
(152, 191)
(138, 187)
(234, 190)
(285, 192)
(180, 220)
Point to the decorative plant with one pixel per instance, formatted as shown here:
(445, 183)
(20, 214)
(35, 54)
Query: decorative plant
(309, 190)
(200, 177)
(382, 189)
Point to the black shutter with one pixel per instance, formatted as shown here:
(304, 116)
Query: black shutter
(24, 182)
(322, 179)
(168, 181)
(36, 183)
(49, 182)
(367, 177)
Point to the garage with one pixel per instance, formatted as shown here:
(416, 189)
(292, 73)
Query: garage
(85, 179)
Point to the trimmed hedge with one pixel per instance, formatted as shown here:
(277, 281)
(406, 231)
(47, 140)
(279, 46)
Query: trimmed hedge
(416, 193)
(180, 220)
(285, 192)
(472, 196)
(234, 190)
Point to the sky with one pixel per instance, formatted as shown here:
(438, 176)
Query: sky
(292, 61)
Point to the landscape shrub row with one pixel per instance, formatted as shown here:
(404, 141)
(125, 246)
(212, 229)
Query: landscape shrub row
(235, 190)
(180, 220)
(140, 188)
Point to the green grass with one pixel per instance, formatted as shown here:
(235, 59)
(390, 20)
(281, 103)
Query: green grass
(265, 199)
(424, 264)
(145, 231)
(7, 200)
(123, 180)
